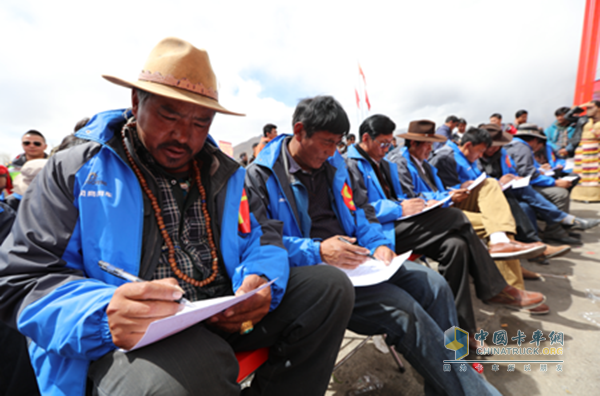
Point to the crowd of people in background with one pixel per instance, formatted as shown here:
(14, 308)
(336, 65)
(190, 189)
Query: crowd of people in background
(448, 194)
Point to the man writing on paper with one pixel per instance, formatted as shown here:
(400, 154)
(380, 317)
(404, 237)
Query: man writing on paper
(443, 234)
(151, 193)
(302, 180)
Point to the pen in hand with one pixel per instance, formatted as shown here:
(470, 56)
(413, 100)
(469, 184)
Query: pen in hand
(369, 255)
(119, 273)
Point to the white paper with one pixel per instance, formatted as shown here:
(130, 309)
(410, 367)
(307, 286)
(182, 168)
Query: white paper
(477, 181)
(508, 185)
(569, 164)
(520, 183)
(373, 272)
(189, 316)
(546, 172)
(570, 178)
(436, 205)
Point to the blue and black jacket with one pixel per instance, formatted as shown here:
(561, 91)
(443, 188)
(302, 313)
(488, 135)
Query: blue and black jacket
(414, 185)
(87, 205)
(270, 191)
(453, 167)
(522, 154)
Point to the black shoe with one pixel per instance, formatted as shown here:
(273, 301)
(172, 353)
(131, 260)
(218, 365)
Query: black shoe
(584, 224)
(574, 235)
(562, 239)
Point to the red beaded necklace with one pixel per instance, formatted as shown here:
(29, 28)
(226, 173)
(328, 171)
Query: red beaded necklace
(161, 223)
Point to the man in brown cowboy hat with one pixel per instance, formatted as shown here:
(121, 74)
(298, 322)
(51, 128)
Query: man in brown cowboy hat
(152, 194)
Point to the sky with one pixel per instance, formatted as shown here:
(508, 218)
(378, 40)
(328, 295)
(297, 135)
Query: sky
(421, 59)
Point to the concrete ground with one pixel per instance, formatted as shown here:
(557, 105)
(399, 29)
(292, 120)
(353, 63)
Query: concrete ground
(566, 283)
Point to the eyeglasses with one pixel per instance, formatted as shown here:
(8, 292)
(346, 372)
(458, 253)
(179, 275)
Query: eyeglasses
(384, 144)
(36, 144)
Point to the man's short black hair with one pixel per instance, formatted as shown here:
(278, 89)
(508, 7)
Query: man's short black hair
(596, 102)
(254, 144)
(462, 121)
(561, 111)
(520, 113)
(34, 132)
(243, 155)
(267, 129)
(407, 143)
(376, 125)
(452, 118)
(321, 113)
(497, 115)
(476, 136)
(143, 95)
(350, 136)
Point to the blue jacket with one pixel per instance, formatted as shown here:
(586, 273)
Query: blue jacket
(269, 187)
(420, 186)
(364, 179)
(522, 154)
(453, 167)
(87, 205)
(552, 133)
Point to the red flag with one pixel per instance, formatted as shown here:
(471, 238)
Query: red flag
(347, 196)
(244, 215)
(357, 98)
(367, 100)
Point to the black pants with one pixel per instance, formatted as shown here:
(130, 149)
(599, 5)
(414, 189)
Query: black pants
(304, 334)
(446, 236)
(16, 374)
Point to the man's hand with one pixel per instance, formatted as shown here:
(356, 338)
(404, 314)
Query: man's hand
(466, 184)
(135, 305)
(546, 167)
(507, 178)
(255, 308)
(431, 202)
(343, 255)
(562, 183)
(384, 254)
(563, 152)
(459, 195)
(412, 206)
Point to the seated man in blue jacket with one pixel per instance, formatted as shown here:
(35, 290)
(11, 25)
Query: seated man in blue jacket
(151, 193)
(423, 180)
(497, 163)
(302, 180)
(521, 149)
(486, 206)
(443, 234)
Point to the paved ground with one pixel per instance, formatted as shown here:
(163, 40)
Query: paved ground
(565, 284)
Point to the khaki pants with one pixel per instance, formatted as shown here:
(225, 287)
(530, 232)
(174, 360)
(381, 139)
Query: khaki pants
(489, 212)
(488, 203)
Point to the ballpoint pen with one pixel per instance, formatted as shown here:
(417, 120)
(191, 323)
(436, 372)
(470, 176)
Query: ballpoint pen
(120, 273)
(369, 255)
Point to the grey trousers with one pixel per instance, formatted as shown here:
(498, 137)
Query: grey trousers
(557, 195)
(304, 334)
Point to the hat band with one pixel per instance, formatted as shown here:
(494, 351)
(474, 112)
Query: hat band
(183, 83)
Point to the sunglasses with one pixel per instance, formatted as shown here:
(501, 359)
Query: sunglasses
(36, 144)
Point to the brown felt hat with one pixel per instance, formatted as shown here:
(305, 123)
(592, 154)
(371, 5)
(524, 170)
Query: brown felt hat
(499, 138)
(530, 130)
(178, 70)
(422, 131)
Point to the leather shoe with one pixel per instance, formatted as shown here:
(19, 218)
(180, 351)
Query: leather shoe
(539, 310)
(530, 275)
(516, 250)
(514, 298)
(556, 251)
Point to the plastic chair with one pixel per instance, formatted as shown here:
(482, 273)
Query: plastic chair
(250, 361)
